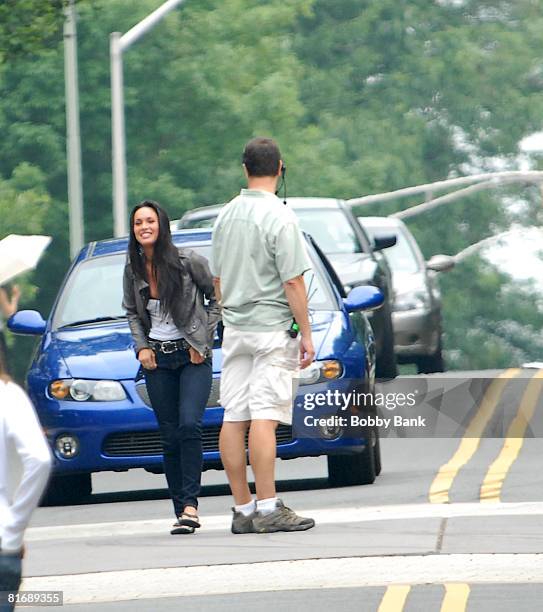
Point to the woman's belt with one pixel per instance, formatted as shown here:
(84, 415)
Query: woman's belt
(169, 346)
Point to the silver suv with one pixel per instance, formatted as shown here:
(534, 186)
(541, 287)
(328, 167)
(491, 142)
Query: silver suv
(416, 307)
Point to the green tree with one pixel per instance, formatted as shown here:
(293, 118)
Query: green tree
(27, 25)
(362, 95)
(25, 205)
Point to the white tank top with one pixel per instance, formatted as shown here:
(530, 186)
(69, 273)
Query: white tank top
(162, 325)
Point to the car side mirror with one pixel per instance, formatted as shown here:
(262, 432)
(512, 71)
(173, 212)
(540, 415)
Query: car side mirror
(364, 297)
(441, 263)
(384, 241)
(27, 322)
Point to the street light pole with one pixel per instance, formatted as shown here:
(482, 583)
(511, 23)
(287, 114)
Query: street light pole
(118, 44)
(477, 246)
(75, 181)
(456, 195)
(118, 137)
(489, 178)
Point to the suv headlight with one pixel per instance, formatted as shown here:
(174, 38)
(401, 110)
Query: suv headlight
(411, 300)
(81, 390)
(320, 371)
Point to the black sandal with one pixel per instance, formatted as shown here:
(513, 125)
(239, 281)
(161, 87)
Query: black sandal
(191, 520)
(179, 529)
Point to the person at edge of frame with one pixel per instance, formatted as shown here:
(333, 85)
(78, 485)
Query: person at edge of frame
(25, 464)
(173, 331)
(8, 307)
(258, 261)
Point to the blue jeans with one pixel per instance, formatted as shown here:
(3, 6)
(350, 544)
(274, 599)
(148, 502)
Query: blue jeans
(179, 390)
(10, 578)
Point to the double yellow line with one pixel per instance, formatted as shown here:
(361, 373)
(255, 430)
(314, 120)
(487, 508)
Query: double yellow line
(457, 594)
(440, 487)
(492, 484)
(455, 598)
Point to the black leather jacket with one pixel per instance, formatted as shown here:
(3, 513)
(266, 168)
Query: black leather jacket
(198, 321)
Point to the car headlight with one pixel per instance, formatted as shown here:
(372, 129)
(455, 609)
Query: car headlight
(320, 371)
(81, 390)
(411, 300)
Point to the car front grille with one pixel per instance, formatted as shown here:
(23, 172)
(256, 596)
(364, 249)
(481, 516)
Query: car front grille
(147, 443)
(131, 444)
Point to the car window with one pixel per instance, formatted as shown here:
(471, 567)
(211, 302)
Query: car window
(401, 257)
(318, 292)
(330, 228)
(94, 289)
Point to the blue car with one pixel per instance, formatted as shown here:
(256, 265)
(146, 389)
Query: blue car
(84, 378)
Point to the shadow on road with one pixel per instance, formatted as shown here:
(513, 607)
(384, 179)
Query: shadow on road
(207, 491)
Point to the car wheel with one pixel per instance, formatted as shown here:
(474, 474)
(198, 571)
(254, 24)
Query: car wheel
(359, 469)
(386, 365)
(66, 490)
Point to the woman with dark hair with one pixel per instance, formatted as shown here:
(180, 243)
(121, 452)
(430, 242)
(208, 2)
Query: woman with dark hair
(173, 331)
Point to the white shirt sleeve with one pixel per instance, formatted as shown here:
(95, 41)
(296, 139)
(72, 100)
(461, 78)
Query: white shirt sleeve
(23, 428)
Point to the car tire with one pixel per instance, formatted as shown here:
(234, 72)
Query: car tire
(358, 469)
(67, 490)
(386, 365)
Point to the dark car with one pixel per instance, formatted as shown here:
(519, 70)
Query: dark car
(416, 309)
(356, 258)
(95, 410)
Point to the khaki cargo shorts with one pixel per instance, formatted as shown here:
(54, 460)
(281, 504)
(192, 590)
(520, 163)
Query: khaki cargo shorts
(259, 375)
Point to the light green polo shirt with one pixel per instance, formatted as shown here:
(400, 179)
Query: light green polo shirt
(257, 246)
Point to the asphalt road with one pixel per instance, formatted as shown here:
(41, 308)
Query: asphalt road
(453, 523)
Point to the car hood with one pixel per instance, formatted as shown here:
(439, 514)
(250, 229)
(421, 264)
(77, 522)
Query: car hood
(98, 352)
(353, 268)
(106, 351)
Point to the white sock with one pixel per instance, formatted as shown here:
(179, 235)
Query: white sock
(246, 509)
(266, 506)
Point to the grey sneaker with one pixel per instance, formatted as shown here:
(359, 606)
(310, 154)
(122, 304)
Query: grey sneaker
(281, 519)
(242, 523)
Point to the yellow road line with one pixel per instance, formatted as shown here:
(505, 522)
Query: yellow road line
(498, 470)
(456, 598)
(394, 598)
(440, 487)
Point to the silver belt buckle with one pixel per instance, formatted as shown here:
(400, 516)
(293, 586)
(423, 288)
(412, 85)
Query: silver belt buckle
(164, 348)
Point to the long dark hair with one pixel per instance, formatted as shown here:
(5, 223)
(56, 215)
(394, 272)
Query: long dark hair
(166, 264)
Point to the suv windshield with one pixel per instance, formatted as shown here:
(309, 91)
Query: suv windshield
(94, 290)
(192, 223)
(330, 228)
(401, 257)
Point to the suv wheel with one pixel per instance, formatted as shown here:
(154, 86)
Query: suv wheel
(386, 365)
(428, 364)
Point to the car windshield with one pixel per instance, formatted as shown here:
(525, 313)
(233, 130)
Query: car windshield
(401, 257)
(330, 228)
(94, 290)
